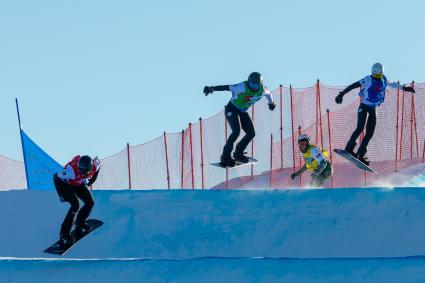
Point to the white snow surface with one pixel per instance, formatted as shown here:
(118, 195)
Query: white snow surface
(296, 235)
(411, 176)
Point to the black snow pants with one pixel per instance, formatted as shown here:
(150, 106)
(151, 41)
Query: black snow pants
(71, 194)
(365, 113)
(233, 116)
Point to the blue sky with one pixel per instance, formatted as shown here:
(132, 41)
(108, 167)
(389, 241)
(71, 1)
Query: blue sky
(91, 76)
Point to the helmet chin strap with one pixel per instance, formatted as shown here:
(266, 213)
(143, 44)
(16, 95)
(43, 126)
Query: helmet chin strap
(305, 149)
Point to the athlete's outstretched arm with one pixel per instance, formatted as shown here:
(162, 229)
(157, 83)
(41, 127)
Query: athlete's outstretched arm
(211, 89)
(93, 179)
(338, 98)
(397, 85)
(269, 97)
(299, 172)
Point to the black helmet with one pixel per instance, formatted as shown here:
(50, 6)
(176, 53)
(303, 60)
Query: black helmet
(85, 164)
(255, 78)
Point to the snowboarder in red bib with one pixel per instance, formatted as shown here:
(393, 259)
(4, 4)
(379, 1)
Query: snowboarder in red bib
(372, 94)
(72, 183)
(244, 95)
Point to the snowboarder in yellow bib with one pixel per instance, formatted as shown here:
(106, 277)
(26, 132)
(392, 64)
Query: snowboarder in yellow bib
(315, 162)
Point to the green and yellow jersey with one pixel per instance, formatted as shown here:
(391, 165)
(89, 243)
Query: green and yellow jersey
(243, 98)
(315, 158)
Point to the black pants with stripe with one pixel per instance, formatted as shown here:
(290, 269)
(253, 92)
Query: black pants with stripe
(236, 120)
(71, 194)
(366, 115)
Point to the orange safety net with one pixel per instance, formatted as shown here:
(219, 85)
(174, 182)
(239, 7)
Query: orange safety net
(182, 160)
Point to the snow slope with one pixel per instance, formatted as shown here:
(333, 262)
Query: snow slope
(237, 235)
(215, 270)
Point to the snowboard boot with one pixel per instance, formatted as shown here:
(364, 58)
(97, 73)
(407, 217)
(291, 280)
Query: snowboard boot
(241, 157)
(227, 161)
(364, 160)
(353, 154)
(66, 240)
(83, 228)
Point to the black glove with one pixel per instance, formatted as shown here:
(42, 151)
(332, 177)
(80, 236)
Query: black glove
(409, 89)
(338, 98)
(272, 106)
(208, 90)
(294, 175)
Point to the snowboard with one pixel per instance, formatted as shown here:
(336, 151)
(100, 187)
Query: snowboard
(354, 160)
(58, 249)
(252, 161)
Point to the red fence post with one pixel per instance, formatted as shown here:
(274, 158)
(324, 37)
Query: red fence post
(423, 153)
(402, 124)
(414, 121)
(365, 174)
(252, 143)
(416, 129)
(191, 156)
(320, 112)
(299, 133)
(411, 127)
(397, 127)
(292, 122)
(182, 168)
(225, 135)
(281, 126)
(202, 154)
(271, 160)
(129, 166)
(166, 159)
(330, 142)
(317, 114)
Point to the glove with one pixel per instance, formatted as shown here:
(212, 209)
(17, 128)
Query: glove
(294, 175)
(338, 98)
(96, 162)
(208, 90)
(272, 106)
(409, 89)
(313, 175)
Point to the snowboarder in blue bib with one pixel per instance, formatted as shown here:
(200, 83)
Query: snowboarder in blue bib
(244, 95)
(372, 94)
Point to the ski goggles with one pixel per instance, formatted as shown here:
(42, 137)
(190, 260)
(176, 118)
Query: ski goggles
(252, 85)
(378, 76)
(84, 169)
(303, 143)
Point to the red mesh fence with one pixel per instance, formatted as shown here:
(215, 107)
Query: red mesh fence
(182, 160)
(114, 172)
(147, 164)
(12, 174)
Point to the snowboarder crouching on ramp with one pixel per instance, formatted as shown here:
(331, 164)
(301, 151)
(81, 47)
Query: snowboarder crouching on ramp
(72, 183)
(244, 95)
(315, 162)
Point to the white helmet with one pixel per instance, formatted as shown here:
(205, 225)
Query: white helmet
(304, 137)
(377, 71)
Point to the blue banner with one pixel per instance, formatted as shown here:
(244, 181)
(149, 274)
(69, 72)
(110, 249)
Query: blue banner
(39, 165)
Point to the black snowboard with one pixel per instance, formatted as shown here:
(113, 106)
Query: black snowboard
(57, 249)
(252, 161)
